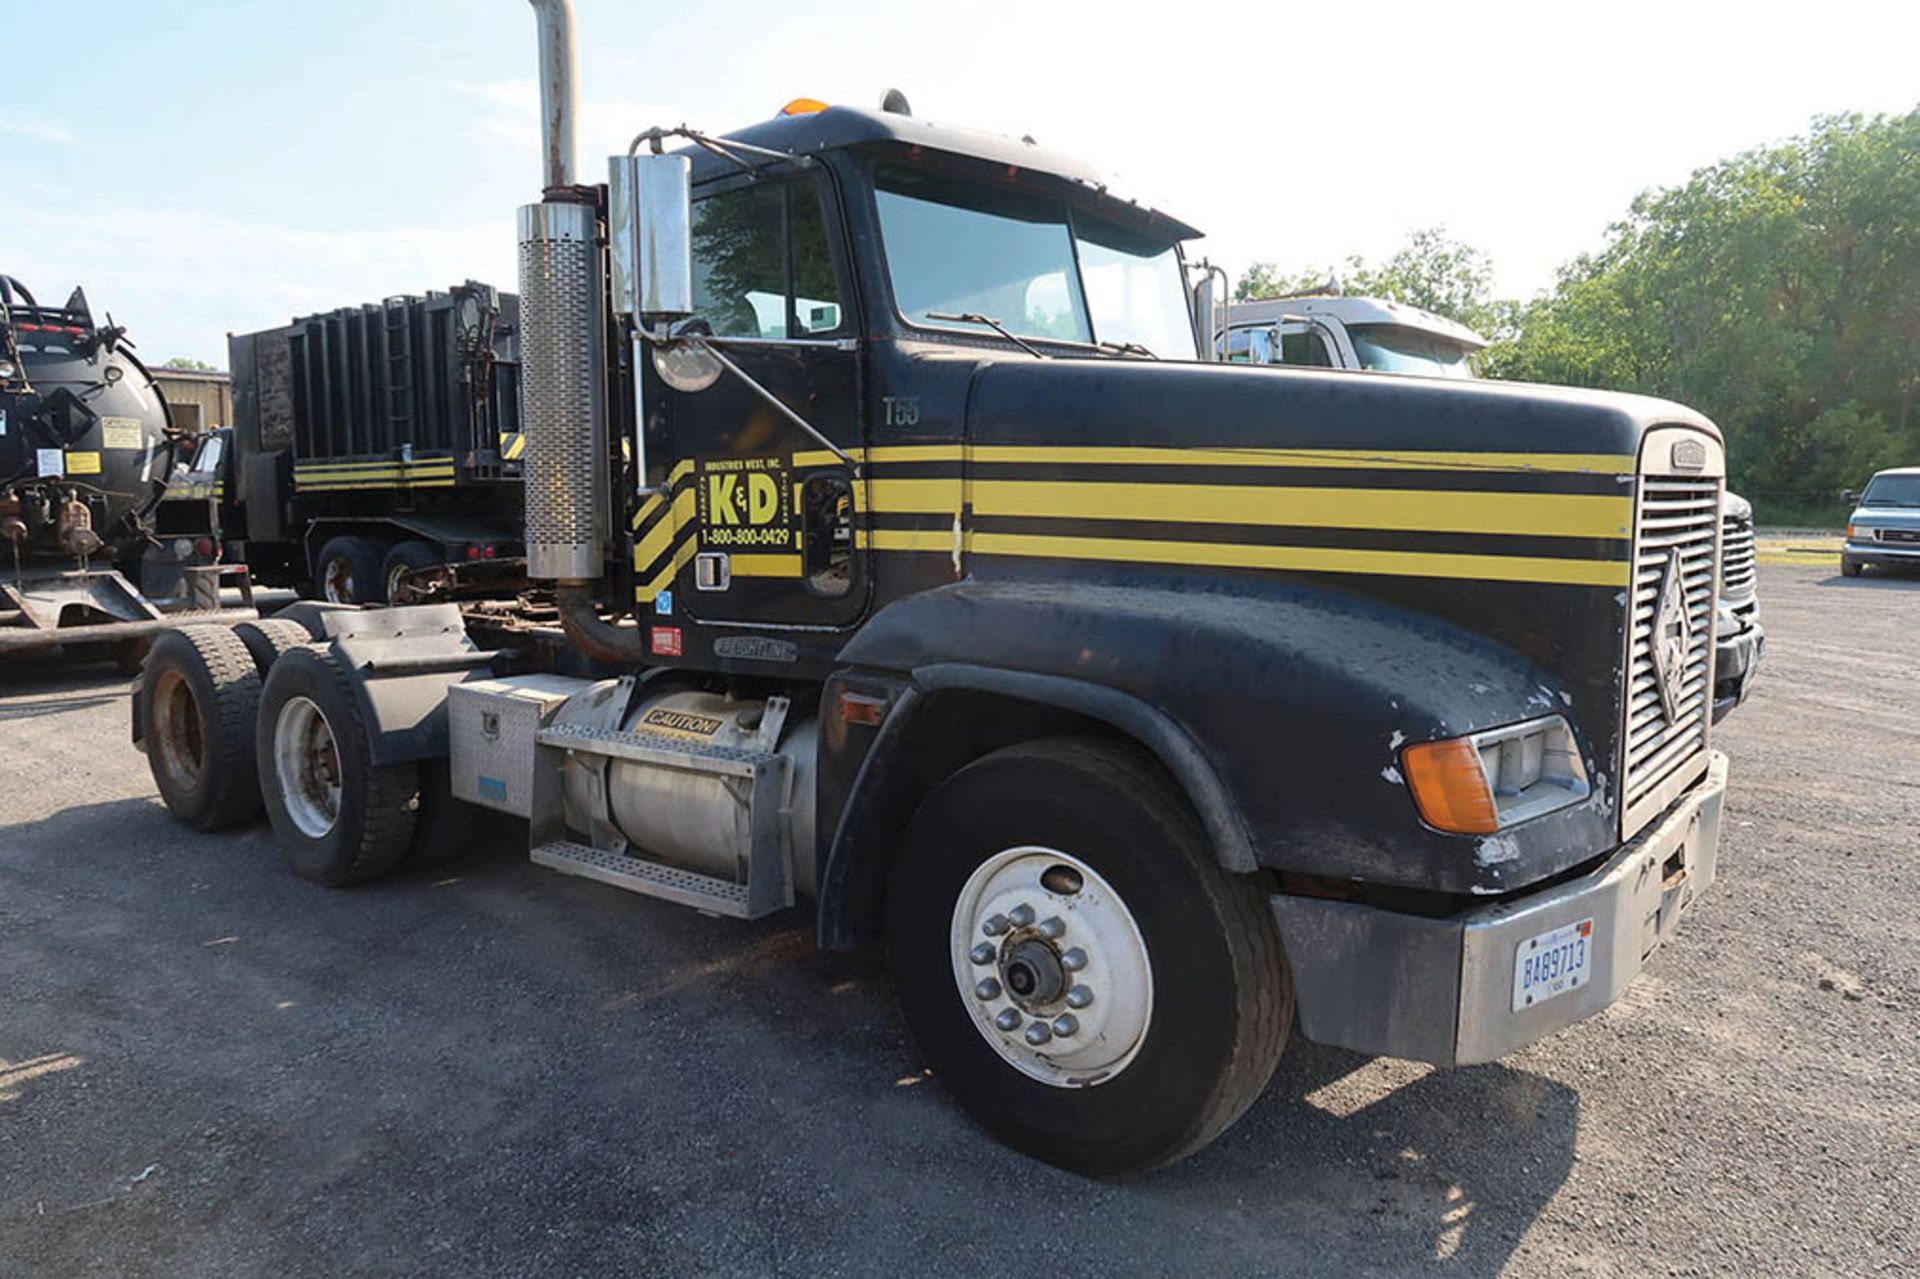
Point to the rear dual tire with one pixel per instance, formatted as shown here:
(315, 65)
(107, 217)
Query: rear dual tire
(340, 817)
(196, 702)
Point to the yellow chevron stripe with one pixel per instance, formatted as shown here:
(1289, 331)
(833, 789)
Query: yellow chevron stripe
(652, 546)
(1312, 559)
(657, 499)
(660, 581)
(1406, 510)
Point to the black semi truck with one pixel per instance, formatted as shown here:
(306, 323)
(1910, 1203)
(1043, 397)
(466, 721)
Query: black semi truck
(369, 442)
(1146, 710)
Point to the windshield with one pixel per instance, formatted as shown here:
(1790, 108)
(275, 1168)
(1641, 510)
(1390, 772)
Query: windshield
(1892, 490)
(1389, 348)
(1028, 263)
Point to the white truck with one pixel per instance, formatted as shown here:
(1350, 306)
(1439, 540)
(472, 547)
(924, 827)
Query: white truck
(1334, 332)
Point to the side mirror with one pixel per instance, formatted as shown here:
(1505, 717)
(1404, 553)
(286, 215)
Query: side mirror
(650, 230)
(1849, 498)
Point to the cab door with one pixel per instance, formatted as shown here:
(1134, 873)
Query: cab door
(764, 514)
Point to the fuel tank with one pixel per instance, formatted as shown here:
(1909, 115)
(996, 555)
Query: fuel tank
(85, 445)
(684, 816)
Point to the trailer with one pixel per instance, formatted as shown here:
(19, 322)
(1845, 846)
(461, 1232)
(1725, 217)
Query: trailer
(90, 454)
(1146, 711)
(372, 442)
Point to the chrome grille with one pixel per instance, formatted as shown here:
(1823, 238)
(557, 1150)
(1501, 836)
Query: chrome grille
(1675, 529)
(1736, 559)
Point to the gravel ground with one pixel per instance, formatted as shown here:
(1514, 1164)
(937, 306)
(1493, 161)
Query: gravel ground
(210, 1068)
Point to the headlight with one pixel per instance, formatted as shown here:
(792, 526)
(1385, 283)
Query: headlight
(1860, 533)
(1480, 784)
(7, 369)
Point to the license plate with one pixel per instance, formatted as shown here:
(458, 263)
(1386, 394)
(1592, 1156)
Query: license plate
(1551, 964)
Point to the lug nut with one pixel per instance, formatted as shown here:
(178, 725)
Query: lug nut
(995, 925)
(1052, 927)
(1080, 997)
(1038, 1033)
(1066, 1025)
(1074, 960)
(983, 953)
(987, 989)
(1008, 1019)
(1021, 915)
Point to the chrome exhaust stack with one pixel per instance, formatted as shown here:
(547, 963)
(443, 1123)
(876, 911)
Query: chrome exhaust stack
(563, 398)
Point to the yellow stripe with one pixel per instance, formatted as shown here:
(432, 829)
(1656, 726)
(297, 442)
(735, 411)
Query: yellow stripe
(661, 535)
(764, 565)
(1410, 510)
(911, 539)
(514, 446)
(330, 485)
(1311, 559)
(1380, 459)
(918, 497)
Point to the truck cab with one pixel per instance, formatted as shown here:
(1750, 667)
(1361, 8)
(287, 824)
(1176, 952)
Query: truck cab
(1145, 710)
(1335, 332)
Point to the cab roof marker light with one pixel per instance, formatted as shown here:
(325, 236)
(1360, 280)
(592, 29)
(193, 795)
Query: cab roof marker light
(803, 106)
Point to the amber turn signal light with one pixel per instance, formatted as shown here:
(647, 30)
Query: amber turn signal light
(1450, 787)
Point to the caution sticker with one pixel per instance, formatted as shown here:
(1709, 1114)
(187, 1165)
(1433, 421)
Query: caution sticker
(746, 503)
(684, 724)
(82, 463)
(121, 433)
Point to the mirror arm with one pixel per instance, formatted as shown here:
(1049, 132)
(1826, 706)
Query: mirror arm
(778, 405)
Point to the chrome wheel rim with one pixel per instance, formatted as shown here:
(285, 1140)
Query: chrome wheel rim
(1051, 967)
(307, 763)
(336, 582)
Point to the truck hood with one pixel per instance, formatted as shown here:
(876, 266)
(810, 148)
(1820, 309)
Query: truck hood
(1500, 511)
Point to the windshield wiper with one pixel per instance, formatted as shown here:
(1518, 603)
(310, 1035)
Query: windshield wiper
(974, 317)
(1127, 348)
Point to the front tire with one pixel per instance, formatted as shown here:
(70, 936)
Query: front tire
(340, 818)
(1082, 976)
(1849, 567)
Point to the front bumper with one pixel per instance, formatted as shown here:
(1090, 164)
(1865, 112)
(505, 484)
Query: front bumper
(1883, 554)
(1440, 990)
(1736, 660)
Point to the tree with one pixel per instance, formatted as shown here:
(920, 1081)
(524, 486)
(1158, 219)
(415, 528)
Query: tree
(189, 365)
(1777, 291)
(1431, 271)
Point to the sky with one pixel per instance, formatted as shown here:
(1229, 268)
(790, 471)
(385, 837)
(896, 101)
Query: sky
(214, 166)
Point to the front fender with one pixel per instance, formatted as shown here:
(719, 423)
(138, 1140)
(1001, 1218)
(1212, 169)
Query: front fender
(1295, 700)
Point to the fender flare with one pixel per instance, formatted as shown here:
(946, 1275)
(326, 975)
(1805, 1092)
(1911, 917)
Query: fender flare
(856, 842)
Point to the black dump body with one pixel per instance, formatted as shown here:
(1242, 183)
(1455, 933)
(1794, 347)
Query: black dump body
(403, 411)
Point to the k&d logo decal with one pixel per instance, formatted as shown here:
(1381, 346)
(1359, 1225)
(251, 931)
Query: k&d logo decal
(746, 502)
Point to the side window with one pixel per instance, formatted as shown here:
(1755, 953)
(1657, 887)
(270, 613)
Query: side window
(762, 266)
(1304, 348)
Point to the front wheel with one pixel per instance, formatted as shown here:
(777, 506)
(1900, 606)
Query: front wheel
(1849, 567)
(1078, 970)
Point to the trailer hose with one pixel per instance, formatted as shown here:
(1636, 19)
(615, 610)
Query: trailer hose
(589, 633)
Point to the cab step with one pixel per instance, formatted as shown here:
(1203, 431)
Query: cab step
(702, 892)
(652, 748)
